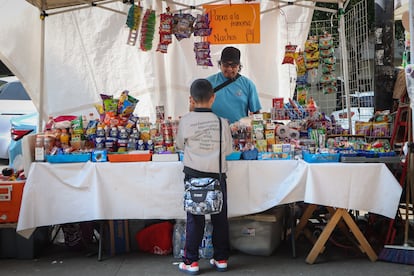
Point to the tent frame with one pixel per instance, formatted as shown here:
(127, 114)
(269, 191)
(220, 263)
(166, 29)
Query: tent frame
(67, 6)
(43, 14)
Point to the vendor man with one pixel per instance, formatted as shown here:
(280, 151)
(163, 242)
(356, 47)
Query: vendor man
(236, 95)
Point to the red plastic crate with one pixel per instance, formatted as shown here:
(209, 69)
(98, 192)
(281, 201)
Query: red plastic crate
(10, 200)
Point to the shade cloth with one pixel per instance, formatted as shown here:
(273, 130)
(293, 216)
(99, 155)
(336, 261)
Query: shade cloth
(63, 193)
(86, 53)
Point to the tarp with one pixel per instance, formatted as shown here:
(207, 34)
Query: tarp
(86, 54)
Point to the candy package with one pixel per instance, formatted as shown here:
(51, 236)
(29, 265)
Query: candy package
(77, 125)
(128, 106)
(183, 25)
(202, 25)
(147, 30)
(363, 128)
(133, 22)
(111, 105)
(380, 129)
(202, 53)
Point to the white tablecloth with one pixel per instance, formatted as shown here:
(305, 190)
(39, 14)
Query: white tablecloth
(62, 193)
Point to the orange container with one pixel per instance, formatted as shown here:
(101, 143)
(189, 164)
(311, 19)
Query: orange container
(129, 157)
(10, 200)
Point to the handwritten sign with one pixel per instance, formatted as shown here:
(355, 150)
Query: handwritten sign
(234, 23)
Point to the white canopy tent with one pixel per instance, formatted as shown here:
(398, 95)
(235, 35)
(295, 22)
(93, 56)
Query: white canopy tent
(66, 60)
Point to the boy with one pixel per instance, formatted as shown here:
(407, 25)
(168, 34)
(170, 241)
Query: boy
(199, 136)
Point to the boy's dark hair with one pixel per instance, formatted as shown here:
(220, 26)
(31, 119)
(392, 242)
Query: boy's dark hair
(201, 90)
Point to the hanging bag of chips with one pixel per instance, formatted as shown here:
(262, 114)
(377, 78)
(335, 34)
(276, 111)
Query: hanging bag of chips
(300, 63)
(202, 49)
(183, 25)
(328, 63)
(311, 53)
(289, 57)
(165, 31)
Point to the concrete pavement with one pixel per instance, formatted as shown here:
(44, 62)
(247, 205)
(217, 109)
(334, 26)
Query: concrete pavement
(59, 260)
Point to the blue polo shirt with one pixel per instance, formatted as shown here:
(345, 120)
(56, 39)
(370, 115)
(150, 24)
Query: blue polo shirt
(235, 100)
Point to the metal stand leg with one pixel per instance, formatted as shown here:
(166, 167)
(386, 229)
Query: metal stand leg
(292, 228)
(101, 235)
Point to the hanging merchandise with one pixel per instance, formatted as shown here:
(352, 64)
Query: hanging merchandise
(165, 31)
(133, 20)
(202, 49)
(302, 93)
(328, 62)
(147, 30)
(202, 53)
(183, 25)
(302, 86)
(300, 64)
(311, 53)
(289, 56)
(202, 25)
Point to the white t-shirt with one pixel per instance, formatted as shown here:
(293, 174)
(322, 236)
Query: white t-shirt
(198, 134)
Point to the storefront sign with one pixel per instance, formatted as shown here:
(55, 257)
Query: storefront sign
(234, 23)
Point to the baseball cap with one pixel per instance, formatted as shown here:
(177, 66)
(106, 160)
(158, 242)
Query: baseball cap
(230, 54)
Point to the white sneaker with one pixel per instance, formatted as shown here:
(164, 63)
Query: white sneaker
(220, 266)
(192, 269)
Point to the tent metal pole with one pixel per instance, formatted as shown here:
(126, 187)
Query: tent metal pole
(299, 5)
(344, 53)
(411, 22)
(86, 6)
(42, 74)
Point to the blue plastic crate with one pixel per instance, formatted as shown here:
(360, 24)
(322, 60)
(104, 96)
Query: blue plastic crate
(321, 157)
(69, 158)
(235, 155)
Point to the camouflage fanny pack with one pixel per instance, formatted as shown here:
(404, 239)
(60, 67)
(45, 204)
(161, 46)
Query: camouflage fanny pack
(203, 196)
